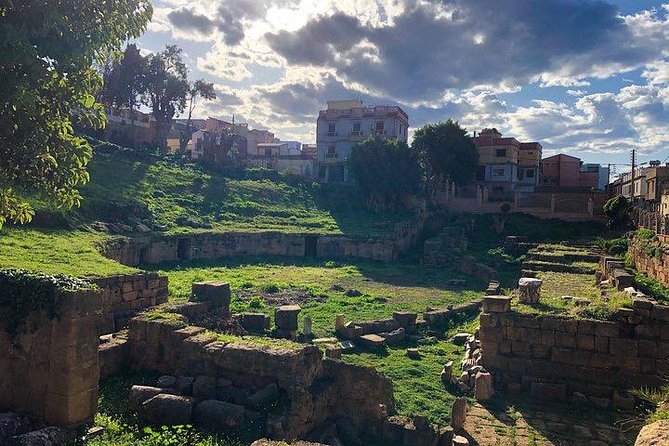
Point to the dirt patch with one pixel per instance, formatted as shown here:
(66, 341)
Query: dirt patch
(281, 297)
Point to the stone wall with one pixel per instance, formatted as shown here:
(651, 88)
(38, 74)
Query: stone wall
(124, 295)
(552, 357)
(318, 389)
(652, 262)
(50, 369)
(151, 250)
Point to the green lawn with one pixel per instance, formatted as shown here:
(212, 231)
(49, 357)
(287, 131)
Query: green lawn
(384, 288)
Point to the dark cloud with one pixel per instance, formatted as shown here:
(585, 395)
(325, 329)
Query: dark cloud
(191, 21)
(424, 52)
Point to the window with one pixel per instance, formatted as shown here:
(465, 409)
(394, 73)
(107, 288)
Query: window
(379, 128)
(498, 172)
(500, 153)
(356, 129)
(332, 129)
(331, 153)
(530, 173)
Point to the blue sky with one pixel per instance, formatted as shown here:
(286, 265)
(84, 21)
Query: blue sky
(584, 77)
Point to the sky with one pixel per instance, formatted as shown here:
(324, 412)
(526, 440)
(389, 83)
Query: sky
(585, 77)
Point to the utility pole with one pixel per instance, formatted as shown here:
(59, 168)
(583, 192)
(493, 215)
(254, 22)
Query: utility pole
(633, 167)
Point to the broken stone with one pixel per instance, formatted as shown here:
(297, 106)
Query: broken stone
(496, 304)
(339, 323)
(285, 317)
(347, 346)
(204, 387)
(254, 321)
(139, 394)
(413, 353)
(530, 290)
(167, 410)
(464, 378)
(333, 352)
(396, 336)
(581, 301)
(447, 372)
(371, 341)
(603, 403)
(322, 341)
(216, 293)
(405, 318)
(460, 441)
(307, 326)
(460, 338)
(263, 397)
(483, 389)
(184, 385)
(459, 413)
(446, 436)
(218, 415)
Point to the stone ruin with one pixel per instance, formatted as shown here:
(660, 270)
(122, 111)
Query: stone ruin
(529, 289)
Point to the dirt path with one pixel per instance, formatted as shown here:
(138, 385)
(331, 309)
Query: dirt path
(526, 424)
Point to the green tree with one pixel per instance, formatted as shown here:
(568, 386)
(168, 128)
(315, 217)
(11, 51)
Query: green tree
(617, 211)
(447, 152)
(165, 89)
(124, 80)
(199, 89)
(47, 53)
(384, 171)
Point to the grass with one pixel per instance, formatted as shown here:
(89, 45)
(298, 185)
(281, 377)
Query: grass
(181, 196)
(417, 383)
(384, 288)
(124, 428)
(71, 253)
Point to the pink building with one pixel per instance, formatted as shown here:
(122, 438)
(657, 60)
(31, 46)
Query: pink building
(565, 171)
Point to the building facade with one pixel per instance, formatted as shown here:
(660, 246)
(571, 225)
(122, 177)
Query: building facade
(505, 164)
(657, 179)
(283, 157)
(346, 123)
(566, 171)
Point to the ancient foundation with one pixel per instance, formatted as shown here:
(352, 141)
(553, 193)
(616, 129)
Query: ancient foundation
(555, 357)
(50, 368)
(152, 250)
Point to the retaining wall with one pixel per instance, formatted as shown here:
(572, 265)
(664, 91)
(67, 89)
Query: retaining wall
(552, 356)
(50, 369)
(124, 295)
(151, 250)
(654, 264)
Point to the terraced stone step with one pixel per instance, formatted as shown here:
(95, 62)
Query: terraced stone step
(562, 258)
(557, 267)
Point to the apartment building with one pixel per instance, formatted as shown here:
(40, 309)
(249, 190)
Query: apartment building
(347, 122)
(505, 164)
(657, 181)
(566, 171)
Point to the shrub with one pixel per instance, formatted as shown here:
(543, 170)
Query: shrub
(256, 303)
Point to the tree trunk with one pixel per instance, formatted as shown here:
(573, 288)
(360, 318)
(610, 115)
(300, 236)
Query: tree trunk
(162, 131)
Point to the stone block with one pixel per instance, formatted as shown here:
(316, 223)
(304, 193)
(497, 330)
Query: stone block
(488, 320)
(372, 341)
(216, 293)
(256, 322)
(333, 352)
(566, 340)
(459, 413)
(395, 336)
(646, 348)
(601, 344)
(139, 394)
(405, 318)
(585, 342)
(483, 388)
(496, 304)
(218, 415)
(285, 317)
(204, 387)
(169, 410)
(623, 347)
(263, 397)
(608, 329)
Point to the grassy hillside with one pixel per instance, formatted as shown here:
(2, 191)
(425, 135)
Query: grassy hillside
(180, 196)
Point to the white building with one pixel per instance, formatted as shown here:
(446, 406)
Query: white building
(348, 122)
